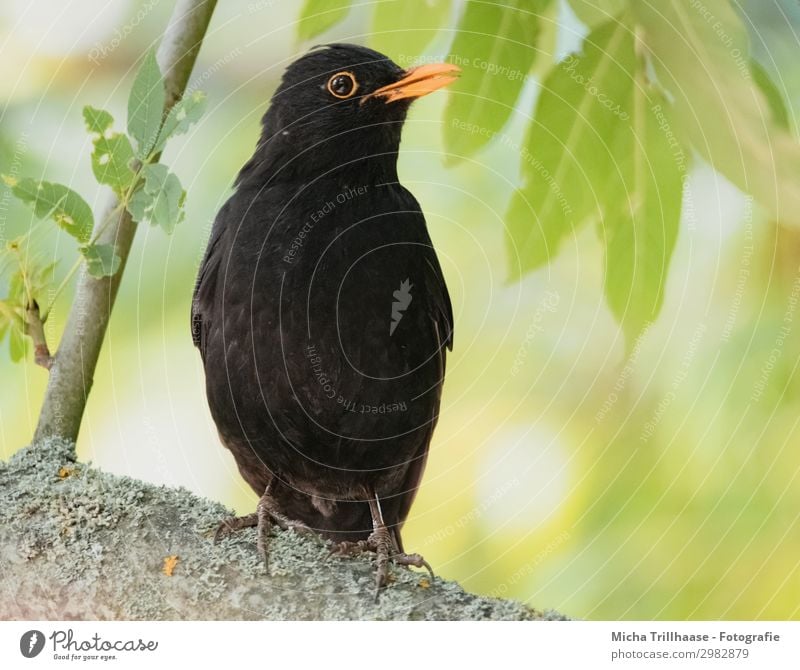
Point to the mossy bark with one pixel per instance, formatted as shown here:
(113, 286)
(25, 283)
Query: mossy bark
(77, 543)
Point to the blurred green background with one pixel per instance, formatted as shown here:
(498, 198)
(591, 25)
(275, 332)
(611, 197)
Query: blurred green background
(658, 481)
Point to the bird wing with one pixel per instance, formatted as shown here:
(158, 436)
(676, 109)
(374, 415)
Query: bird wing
(441, 312)
(437, 288)
(206, 283)
(440, 298)
(417, 466)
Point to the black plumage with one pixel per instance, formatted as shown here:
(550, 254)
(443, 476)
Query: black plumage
(320, 309)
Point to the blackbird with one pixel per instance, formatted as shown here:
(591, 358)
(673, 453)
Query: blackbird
(321, 312)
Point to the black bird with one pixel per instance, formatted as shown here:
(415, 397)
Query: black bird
(321, 312)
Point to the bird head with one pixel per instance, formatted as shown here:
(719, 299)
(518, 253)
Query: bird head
(340, 104)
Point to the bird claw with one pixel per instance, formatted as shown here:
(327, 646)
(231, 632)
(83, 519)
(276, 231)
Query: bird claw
(380, 543)
(415, 560)
(234, 523)
(267, 513)
(347, 548)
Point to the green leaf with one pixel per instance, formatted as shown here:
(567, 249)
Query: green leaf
(55, 201)
(595, 12)
(113, 153)
(403, 28)
(97, 120)
(775, 100)
(16, 289)
(6, 317)
(184, 113)
(17, 342)
(704, 65)
(101, 260)
(160, 201)
(772, 28)
(642, 212)
(495, 46)
(317, 16)
(111, 160)
(146, 106)
(567, 154)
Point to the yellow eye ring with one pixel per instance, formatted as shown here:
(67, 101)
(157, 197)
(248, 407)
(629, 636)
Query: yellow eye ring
(342, 85)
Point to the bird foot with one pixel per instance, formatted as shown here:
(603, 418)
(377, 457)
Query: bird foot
(266, 515)
(380, 542)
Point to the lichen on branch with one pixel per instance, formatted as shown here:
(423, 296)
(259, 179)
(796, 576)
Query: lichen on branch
(78, 543)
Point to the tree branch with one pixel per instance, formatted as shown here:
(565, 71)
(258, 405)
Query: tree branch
(72, 371)
(34, 326)
(76, 543)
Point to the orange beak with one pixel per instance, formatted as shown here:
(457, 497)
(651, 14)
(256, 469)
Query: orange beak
(418, 81)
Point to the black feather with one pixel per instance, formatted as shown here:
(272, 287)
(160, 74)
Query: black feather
(295, 300)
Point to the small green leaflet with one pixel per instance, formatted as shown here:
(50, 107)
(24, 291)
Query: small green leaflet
(317, 16)
(113, 153)
(16, 289)
(97, 120)
(17, 342)
(101, 261)
(403, 28)
(146, 106)
(160, 200)
(186, 111)
(6, 317)
(495, 46)
(55, 201)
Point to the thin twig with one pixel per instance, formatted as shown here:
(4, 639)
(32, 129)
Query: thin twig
(34, 327)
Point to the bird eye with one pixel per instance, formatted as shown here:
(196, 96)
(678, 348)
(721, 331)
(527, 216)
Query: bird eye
(342, 84)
